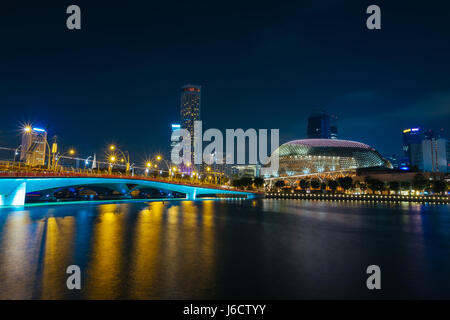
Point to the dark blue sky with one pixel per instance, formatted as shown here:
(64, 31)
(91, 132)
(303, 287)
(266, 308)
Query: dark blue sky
(261, 65)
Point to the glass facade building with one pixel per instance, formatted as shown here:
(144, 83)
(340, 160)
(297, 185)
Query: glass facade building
(315, 156)
(322, 126)
(190, 106)
(190, 111)
(412, 139)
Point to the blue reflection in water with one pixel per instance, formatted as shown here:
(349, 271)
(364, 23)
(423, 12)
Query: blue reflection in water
(225, 249)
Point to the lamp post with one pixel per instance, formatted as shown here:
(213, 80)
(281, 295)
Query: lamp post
(16, 153)
(125, 157)
(148, 166)
(112, 159)
(86, 162)
(158, 158)
(57, 157)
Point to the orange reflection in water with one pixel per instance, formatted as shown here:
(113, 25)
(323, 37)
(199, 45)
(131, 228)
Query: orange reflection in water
(145, 260)
(58, 252)
(103, 277)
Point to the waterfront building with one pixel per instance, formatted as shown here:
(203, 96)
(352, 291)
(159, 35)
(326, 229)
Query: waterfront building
(34, 146)
(322, 126)
(248, 170)
(321, 156)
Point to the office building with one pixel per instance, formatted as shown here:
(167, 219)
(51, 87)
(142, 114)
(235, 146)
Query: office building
(175, 126)
(426, 151)
(412, 137)
(190, 112)
(322, 126)
(34, 146)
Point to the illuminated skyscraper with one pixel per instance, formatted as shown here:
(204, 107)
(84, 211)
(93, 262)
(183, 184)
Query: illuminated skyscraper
(322, 126)
(190, 110)
(34, 146)
(190, 106)
(412, 147)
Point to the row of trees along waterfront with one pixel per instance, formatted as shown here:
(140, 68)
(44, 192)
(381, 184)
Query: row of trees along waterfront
(370, 185)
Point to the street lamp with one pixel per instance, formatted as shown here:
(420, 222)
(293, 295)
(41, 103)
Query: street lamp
(127, 157)
(148, 167)
(86, 162)
(57, 157)
(159, 158)
(112, 159)
(16, 153)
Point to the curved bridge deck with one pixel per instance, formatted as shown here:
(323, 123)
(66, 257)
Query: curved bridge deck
(15, 185)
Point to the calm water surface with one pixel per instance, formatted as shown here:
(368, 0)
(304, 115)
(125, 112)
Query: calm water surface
(286, 249)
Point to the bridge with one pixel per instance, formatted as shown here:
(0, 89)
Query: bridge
(15, 186)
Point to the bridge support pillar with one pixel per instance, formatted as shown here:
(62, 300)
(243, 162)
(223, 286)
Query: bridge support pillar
(12, 193)
(191, 195)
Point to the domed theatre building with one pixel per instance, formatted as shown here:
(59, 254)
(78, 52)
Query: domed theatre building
(325, 156)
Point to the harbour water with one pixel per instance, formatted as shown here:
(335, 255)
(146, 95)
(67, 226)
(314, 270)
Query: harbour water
(236, 249)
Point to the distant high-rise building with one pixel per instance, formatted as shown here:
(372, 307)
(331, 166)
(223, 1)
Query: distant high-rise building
(434, 155)
(412, 137)
(190, 110)
(322, 126)
(427, 152)
(34, 146)
(175, 126)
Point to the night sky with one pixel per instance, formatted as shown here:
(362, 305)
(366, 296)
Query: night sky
(260, 64)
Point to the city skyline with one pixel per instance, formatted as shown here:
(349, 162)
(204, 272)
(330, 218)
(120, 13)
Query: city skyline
(309, 57)
(223, 158)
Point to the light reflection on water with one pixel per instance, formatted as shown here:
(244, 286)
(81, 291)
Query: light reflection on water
(225, 249)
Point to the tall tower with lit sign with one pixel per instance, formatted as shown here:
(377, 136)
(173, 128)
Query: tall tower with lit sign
(190, 110)
(412, 145)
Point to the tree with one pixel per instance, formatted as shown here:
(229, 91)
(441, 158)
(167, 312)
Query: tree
(332, 184)
(315, 183)
(224, 180)
(259, 182)
(236, 183)
(279, 184)
(304, 184)
(345, 183)
(439, 186)
(375, 185)
(405, 185)
(246, 181)
(362, 186)
(394, 186)
(419, 182)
